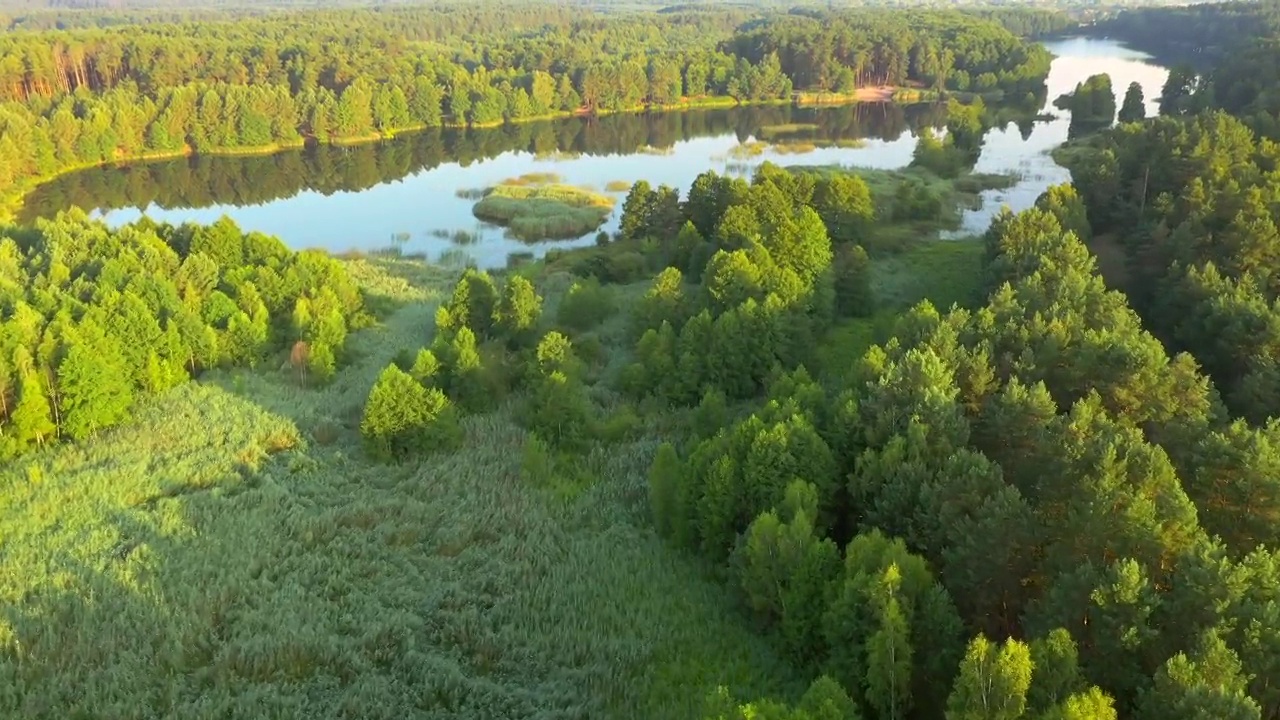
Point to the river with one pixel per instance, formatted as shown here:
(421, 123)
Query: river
(405, 191)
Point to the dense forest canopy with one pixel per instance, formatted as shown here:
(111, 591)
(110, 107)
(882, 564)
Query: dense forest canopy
(1054, 496)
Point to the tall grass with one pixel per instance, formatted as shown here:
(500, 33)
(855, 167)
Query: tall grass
(544, 212)
(747, 150)
(940, 271)
(770, 132)
(210, 562)
(532, 179)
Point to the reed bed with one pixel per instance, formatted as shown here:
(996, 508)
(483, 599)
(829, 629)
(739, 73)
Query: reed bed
(210, 560)
(544, 212)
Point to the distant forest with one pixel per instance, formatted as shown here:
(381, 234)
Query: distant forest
(84, 96)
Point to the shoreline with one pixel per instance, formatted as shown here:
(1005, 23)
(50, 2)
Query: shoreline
(11, 202)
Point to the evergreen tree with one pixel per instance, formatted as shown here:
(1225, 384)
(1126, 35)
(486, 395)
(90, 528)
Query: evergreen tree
(1134, 108)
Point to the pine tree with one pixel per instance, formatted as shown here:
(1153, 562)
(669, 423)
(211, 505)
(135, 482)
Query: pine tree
(1134, 108)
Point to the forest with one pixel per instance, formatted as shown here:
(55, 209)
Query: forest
(82, 97)
(774, 449)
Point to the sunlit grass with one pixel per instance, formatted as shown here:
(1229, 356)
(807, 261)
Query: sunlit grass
(557, 155)
(651, 150)
(747, 150)
(544, 212)
(532, 179)
(769, 132)
(793, 147)
(232, 554)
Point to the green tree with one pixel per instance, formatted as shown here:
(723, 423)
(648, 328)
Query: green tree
(1134, 108)
(993, 681)
(517, 311)
(321, 362)
(889, 651)
(94, 388)
(665, 478)
(1057, 670)
(786, 568)
(637, 211)
(473, 305)
(401, 418)
(425, 367)
(32, 418)
(844, 203)
(1211, 686)
(1092, 704)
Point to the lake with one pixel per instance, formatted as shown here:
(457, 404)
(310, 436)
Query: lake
(405, 191)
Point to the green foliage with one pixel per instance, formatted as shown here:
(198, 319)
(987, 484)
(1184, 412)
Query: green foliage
(558, 409)
(665, 478)
(1064, 203)
(544, 212)
(1134, 108)
(101, 318)
(1210, 686)
(993, 682)
(517, 312)
(663, 302)
(585, 305)
(786, 568)
(844, 203)
(474, 305)
(889, 597)
(402, 418)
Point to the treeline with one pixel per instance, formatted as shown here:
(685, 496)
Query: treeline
(95, 318)
(1197, 34)
(85, 97)
(207, 180)
(940, 49)
(1037, 468)
(1028, 22)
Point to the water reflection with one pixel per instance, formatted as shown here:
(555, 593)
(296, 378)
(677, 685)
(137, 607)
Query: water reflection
(1025, 150)
(405, 191)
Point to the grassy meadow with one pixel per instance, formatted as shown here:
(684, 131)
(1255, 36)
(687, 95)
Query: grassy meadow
(232, 553)
(535, 208)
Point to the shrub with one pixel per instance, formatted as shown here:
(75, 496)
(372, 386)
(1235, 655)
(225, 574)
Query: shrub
(402, 417)
(623, 268)
(585, 305)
